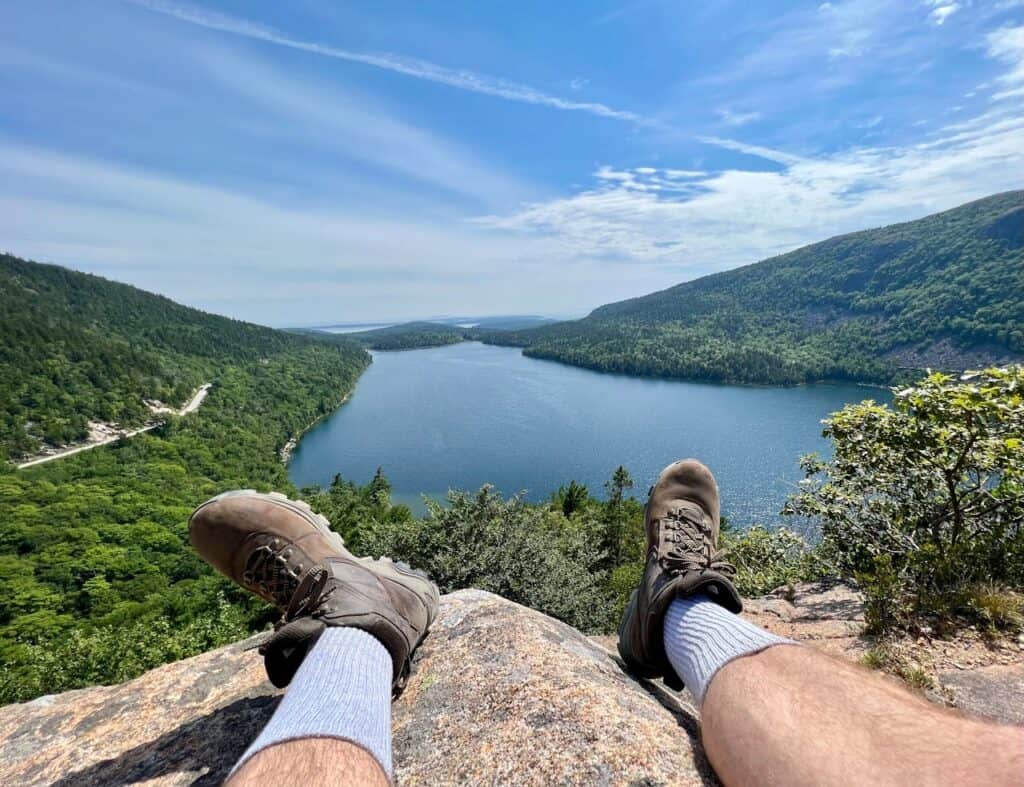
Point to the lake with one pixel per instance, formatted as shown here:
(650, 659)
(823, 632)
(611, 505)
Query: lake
(468, 414)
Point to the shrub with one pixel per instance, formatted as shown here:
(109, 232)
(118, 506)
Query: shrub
(1000, 608)
(924, 500)
(767, 559)
(529, 554)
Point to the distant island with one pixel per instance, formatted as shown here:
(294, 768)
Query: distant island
(421, 334)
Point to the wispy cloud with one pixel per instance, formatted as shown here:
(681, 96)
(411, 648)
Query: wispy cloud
(732, 217)
(285, 263)
(769, 154)
(1007, 45)
(337, 121)
(733, 118)
(942, 10)
(408, 66)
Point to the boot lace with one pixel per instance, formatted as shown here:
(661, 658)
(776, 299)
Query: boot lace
(310, 594)
(298, 592)
(688, 539)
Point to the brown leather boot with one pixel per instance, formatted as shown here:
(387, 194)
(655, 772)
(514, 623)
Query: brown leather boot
(286, 554)
(683, 559)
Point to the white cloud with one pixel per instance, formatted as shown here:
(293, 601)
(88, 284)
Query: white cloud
(273, 263)
(354, 127)
(769, 154)
(1007, 45)
(733, 217)
(719, 219)
(677, 174)
(412, 67)
(942, 10)
(733, 118)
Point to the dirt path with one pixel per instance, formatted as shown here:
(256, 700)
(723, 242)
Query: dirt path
(190, 406)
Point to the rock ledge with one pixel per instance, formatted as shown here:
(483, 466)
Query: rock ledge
(500, 694)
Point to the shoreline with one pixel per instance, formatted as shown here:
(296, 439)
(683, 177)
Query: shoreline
(289, 448)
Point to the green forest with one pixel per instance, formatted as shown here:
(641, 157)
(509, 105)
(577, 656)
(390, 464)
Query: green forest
(79, 347)
(93, 546)
(96, 568)
(410, 336)
(945, 291)
(99, 583)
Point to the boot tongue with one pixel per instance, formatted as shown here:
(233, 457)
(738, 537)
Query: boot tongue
(683, 546)
(687, 509)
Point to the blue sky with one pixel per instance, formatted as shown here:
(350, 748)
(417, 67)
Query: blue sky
(315, 161)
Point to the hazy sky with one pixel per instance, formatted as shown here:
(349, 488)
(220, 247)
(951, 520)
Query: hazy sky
(316, 161)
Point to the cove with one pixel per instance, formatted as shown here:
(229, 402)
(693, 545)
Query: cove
(468, 414)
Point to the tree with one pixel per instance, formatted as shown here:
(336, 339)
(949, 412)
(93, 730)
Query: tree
(924, 501)
(572, 498)
(380, 488)
(615, 522)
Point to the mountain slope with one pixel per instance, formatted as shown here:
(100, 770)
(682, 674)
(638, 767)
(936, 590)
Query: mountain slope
(946, 290)
(78, 347)
(96, 544)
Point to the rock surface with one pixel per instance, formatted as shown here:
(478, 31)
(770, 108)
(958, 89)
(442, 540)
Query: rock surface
(500, 694)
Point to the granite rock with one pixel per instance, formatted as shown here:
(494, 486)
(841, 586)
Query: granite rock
(500, 694)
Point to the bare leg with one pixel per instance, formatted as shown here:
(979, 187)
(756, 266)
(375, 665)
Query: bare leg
(794, 716)
(333, 725)
(311, 762)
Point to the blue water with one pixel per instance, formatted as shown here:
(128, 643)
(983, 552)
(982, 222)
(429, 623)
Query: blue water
(468, 414)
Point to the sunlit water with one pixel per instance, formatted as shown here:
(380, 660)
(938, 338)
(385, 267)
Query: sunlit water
(468, 414)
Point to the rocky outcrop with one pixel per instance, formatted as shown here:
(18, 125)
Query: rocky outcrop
(500, 695)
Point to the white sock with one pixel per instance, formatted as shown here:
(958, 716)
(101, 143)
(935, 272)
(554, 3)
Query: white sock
(701, 637)
(342, 690)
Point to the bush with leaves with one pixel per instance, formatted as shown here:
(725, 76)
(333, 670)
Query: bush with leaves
(924, 501)
(768, 559)
(530, 554)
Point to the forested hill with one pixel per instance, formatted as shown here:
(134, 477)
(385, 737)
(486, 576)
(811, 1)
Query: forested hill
(410, 336)
(945, 291)
(78, 347)
(95, 565)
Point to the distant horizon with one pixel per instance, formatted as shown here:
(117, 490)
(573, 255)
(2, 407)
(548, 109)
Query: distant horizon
(376, 323)
(440, 319)
(298, 163)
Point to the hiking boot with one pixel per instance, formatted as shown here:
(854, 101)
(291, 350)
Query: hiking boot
(286, 554)
(681, 521)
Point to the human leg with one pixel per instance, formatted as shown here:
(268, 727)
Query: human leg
(341, 692)
(774, 713)
(350, 628)
(795, 716)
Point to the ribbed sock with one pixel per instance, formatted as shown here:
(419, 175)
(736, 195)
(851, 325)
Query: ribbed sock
(342, 690)
(701, 637)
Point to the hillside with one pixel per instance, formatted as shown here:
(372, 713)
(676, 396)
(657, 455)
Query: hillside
(78, 347)
(436, 333)
(410, 336)
(945, 291)
(93, 547)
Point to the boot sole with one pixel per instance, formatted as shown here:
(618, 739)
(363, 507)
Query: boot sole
(398, 572)
(319, 522)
